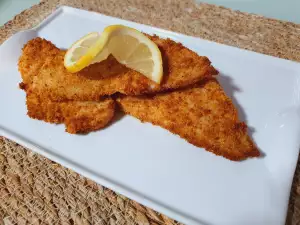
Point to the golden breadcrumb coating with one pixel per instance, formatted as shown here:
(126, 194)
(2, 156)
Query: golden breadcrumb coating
(33, 57)
(203, 115)
(182, 67)
(78, 116)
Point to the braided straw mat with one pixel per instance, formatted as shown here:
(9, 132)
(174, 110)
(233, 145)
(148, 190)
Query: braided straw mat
(35, 190)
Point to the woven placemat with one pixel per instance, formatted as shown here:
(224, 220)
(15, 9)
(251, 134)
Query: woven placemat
(35, 190)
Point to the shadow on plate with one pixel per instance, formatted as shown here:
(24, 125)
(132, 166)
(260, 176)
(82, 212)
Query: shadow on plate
(119, 115)
(230, 89)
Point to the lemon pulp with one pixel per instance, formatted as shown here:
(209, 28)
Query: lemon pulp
(129, 46)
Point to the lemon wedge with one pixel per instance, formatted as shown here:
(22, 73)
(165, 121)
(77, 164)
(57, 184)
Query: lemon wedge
(129, 46)
(84, 51)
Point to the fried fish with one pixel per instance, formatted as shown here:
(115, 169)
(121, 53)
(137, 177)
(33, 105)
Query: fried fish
(203, 115)
(182, 67)
(78, 116)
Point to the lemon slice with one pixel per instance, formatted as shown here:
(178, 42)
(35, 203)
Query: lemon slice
(84, 52)
(129, 46)
(133, 49)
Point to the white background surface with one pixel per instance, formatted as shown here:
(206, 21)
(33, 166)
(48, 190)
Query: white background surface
(288, 10)
(155, 167)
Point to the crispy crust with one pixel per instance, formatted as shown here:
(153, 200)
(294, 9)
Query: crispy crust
(78, 116)
(34, 54)
(182, 67)
(203, 115)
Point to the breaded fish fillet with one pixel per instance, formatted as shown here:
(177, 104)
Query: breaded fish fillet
(203, 115)
(33, 57)
(182, 67)
(78, 116)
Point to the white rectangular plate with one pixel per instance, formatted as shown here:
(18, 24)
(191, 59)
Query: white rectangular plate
(159, 169)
